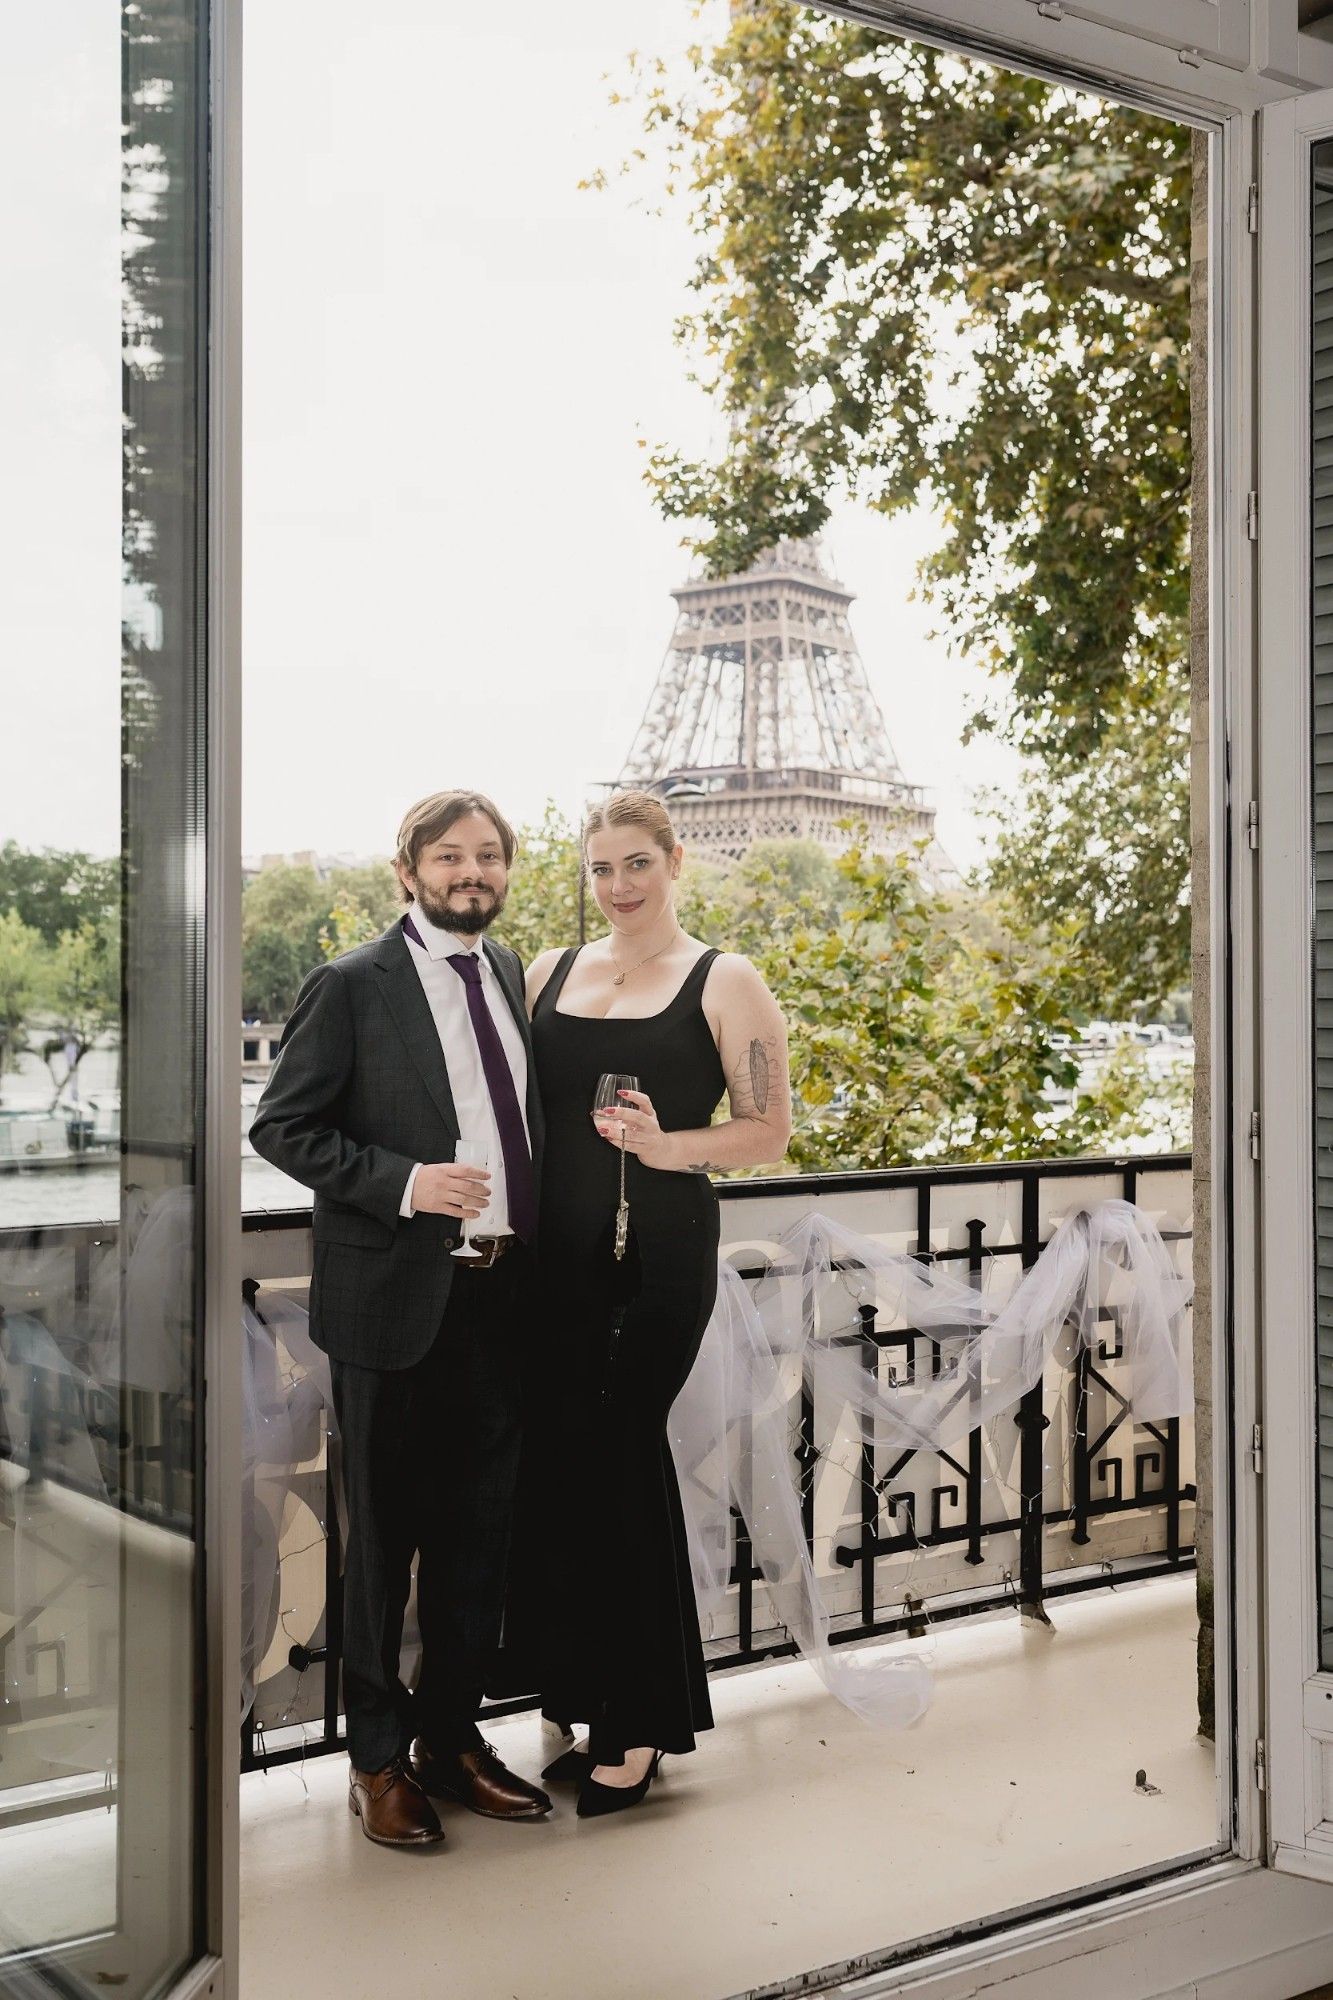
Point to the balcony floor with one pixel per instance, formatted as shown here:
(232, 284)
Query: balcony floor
(796, 1836)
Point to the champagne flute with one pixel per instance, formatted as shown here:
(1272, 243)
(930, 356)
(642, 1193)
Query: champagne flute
(607, 1098)
(468, 1153)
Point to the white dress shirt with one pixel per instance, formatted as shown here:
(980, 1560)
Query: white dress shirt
(446, 996)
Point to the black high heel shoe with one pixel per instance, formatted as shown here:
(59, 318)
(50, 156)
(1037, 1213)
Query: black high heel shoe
(571, 1767)
(596, 1800)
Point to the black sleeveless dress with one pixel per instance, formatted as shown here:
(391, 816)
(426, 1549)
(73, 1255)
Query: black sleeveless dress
(619, 1632)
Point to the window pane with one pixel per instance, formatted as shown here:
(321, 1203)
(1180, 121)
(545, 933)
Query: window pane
(101, 852)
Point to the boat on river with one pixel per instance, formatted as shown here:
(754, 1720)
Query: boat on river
(66, 1135)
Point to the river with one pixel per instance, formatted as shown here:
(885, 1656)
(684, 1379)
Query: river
(91, 1193)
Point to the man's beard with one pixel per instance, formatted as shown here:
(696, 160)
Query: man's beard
(468, 918)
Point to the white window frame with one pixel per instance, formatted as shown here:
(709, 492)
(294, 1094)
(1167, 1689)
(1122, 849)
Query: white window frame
(1284, 53)
(1213, 30)
(1300, 1727)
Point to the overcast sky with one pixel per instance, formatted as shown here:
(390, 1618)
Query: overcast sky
(453, 573)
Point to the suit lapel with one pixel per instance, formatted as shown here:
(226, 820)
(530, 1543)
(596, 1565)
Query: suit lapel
(406, 1000)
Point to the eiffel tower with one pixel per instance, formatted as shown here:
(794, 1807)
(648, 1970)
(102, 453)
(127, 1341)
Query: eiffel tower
(762, 724)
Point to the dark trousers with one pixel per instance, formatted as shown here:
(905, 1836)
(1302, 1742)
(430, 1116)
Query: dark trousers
(430, 1458)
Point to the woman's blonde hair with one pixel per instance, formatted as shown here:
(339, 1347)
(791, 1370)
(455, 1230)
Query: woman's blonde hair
(643, 809)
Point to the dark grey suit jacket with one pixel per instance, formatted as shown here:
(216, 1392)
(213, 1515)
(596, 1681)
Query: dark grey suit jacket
(359, 1093)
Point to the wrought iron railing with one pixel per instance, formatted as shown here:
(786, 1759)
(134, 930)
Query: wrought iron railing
(902, 1540)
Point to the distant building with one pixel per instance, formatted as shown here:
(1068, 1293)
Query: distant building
(306, 857)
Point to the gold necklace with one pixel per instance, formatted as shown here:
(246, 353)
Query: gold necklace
(621, 977)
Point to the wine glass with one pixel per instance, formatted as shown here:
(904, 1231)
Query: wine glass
(609, 1088)
(469, 1153)
(607, 1098)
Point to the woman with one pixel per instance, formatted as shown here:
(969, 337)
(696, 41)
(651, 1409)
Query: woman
(620, 1635)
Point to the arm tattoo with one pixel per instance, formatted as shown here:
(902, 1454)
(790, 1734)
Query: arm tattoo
(759, 1076)
(754, 1075)
(706, 1167)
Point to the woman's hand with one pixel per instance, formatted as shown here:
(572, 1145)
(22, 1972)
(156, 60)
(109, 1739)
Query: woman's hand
(644, 1137)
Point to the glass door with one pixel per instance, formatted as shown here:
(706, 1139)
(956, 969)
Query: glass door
(108, 806)
(1295, 532)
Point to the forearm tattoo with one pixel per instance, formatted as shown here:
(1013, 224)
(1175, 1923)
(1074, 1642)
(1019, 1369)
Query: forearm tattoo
(706, 1167)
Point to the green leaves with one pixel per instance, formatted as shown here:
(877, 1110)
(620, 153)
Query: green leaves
(291, 917)
(920, 276)
(22, 954)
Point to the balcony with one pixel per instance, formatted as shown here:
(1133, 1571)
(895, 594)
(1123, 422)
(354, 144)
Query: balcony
(1050, 1578)
(795, 1836)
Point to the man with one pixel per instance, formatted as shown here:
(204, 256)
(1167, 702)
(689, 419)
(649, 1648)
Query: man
(393, 1055)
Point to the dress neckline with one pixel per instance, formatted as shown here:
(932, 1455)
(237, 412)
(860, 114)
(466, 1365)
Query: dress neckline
(555, 986)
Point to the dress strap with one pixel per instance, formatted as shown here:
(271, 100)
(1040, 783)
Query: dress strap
(693, 984)
(551, 990)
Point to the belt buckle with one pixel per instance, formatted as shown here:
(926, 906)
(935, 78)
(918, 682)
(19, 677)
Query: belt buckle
(492, 1248)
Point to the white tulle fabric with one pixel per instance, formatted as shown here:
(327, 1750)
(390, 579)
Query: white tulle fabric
(286, 1386)
(732, 1428)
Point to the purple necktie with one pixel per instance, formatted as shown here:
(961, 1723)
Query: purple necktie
(519, 1185)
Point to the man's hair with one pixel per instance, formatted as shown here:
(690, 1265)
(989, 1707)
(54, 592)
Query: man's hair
(431, 818)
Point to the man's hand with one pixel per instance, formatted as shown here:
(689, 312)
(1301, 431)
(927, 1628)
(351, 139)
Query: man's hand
(445, 1189)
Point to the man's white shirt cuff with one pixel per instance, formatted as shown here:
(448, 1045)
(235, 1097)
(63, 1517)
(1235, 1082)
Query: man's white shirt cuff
(405, 1205)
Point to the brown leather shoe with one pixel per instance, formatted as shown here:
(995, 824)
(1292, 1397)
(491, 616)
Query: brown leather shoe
(392, 1807)
(478, 1780)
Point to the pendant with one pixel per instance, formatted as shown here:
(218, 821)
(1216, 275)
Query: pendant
(622, 1230)
(619, 979)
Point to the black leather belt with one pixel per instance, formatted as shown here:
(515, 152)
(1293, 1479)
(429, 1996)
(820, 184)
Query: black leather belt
(492, 1249)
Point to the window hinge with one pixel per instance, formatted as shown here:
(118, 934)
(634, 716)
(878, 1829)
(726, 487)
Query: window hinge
(1190, 57)
(1260, 1766)
(1254, 1135)
(1257, 1448)
(1252, 208)
(1252, 824)
(1252, 516)
(1050, 10)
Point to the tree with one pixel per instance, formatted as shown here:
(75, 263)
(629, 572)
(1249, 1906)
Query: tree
(1107, 847)
(365, 902)
(54, 890)
(290, 899)
(925, 1027)
(776, 880)
(543, 906)
(283, 913)
(81, 995)
(272, 968)
(21, 976)
(923, 278)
